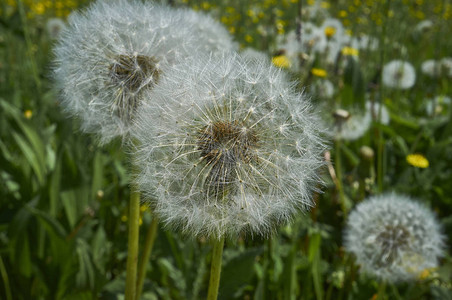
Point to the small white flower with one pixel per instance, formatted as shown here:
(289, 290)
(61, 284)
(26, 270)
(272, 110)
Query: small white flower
(227, 147)
(399, 74)
(393, 237)
(114, 50)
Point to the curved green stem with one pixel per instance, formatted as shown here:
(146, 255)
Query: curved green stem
(132, 250)
(149, 244)
(215, 269)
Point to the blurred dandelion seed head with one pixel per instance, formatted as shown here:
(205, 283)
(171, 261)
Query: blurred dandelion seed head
(399, 74)
(393, 237)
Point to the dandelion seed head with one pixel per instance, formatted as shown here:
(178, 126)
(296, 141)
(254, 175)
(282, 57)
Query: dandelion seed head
(114, 50)
(393, 237)
(222, 152)
(350, 125)
(399, 74)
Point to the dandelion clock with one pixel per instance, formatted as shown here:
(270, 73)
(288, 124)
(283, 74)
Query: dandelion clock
(393, 237)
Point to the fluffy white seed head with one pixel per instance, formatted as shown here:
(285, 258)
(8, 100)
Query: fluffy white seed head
(114, 50)
(227, 147)
(393, 237)
(350, 125)
(378, 112)
(399, 74)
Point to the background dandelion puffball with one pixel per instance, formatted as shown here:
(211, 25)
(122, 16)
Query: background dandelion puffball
(227, 147)
(393, 237)
(113, 50)
(398, 74)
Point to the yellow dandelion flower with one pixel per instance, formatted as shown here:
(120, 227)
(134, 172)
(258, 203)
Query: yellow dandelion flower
(424, 274)
(144, 208)
(319, 72)
(249, 38)
(28, 114)
(417, 160)
(349, 51)
(343, 14)
(330, 31)
(124, 218)
(311, 2)
(325, 5)
(281, 61)
(232, 29)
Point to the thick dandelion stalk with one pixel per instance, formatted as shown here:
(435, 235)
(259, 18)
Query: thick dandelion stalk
(215, 269)
(148, 245)
(132, 247)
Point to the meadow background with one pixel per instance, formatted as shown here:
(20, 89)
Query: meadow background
(63, 199)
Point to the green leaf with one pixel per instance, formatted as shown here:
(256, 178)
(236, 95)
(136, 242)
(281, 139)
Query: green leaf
(49, 222)
(98, 175)
(237, 273)
(68, 199)
(314, 258)
(30, 155)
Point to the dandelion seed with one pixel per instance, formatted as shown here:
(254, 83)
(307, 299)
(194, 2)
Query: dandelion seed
(417, 160)
(228, 148)
(399, 74)
(393, 237)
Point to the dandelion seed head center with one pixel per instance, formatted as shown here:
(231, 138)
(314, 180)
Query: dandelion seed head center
(131, 73)
(134, 71)
(391, 240)
(226, 145)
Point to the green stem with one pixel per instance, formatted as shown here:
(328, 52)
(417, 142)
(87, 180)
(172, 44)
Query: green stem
(381, 291)
(132, 250)
(29, 43)
(149, 244)
(5, 280)
(338, 168)
(215, 269)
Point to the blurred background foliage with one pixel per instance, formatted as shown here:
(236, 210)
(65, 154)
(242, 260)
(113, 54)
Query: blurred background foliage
(63, 199)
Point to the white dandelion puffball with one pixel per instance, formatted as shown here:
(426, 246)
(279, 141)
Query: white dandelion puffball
(399, 74)
(54, 27)
(393, 237)
(227, 148)
(351, 125)
(431, 68)
(378, 112)
(114, 50)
